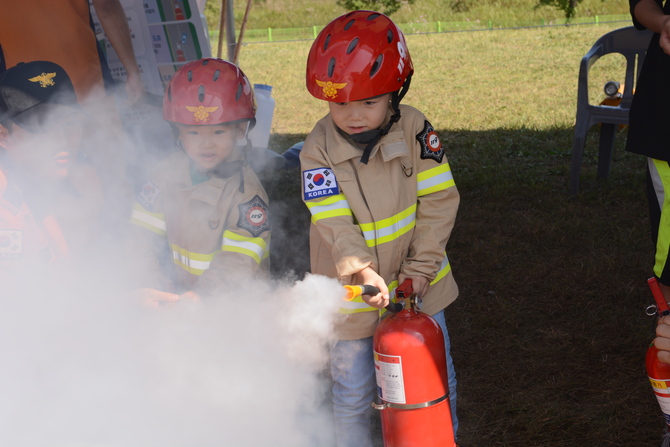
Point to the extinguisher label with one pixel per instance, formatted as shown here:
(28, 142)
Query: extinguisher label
(388, 371)
(662, 392)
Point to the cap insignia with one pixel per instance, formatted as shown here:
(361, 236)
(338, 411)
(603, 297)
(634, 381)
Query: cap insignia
(45, 79)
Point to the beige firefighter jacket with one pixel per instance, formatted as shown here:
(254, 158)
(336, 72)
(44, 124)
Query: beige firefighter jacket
(395, 213)
(216, 235)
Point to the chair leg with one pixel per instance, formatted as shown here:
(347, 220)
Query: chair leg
(578, 143)
(607, 133)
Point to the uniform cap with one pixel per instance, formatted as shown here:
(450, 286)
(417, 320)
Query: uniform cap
(30, 92)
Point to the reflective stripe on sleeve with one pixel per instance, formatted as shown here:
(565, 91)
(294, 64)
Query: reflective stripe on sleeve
(195, 263)
(445, 268)
(660, 175)
(389, 229)
(329, 207)
(254, 247)
(434, 179)
(151, 221)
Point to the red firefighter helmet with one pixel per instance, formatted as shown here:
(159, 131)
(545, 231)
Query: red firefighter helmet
(208, 91)
(357, 56)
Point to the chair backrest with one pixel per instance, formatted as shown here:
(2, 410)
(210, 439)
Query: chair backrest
(629, 42)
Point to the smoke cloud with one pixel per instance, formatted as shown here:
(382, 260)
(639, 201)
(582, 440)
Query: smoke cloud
(85, 366)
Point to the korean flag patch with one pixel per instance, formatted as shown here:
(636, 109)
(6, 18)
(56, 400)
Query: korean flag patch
(254, 216)
(148, 195)
(11, 244)
(319, 182)
(431, 146)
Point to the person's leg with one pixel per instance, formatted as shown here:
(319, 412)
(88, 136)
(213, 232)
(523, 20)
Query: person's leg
(353, 372)
(451, 371)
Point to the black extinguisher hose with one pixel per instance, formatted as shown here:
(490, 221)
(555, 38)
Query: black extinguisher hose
(367, 289)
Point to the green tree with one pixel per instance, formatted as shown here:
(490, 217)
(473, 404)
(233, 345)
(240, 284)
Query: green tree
(569, 7)
(387, 7)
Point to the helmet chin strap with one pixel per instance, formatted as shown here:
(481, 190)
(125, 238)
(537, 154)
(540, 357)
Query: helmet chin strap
(372, 137)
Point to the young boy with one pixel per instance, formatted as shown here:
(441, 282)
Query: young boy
(203, 204)
(382, 199)
(49, 201)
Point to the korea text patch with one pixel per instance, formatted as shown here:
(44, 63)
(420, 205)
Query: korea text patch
(320, 182)
(431, 146)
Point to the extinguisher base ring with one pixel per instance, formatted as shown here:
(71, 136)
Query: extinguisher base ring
(397, 406)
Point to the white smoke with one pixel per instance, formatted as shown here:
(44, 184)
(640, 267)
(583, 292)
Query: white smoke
(85, 366)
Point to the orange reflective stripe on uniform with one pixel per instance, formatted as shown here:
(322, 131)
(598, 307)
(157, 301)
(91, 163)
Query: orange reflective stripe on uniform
(195, 263)
(358, 305)
(434, 179)
(255, 247)
(329, 207)
(391, 228)
(151, 221)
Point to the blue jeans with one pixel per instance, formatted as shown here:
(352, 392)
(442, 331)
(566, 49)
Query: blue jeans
(353, 371)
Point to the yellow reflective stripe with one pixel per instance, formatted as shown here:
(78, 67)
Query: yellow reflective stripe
(663, 238)
(151, 221)
(195, 263)
(388, 229)
(254, 247)
(434, 179)
(444, 269)
(329, 207)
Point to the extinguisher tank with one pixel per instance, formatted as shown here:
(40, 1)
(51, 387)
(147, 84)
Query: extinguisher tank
(412, 384)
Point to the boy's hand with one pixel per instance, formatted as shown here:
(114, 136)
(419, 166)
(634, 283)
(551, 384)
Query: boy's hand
(369, 276)
(155, 298)
(662, 340)
(419, 283)
(190, 295)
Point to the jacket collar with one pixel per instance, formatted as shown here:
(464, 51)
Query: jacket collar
(342, 148)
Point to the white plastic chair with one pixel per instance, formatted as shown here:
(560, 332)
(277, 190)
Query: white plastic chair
(632, 44)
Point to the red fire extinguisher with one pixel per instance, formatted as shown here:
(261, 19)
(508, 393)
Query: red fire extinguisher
(411, 372)
(659, 372)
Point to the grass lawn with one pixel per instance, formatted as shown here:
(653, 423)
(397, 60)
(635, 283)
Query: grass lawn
(549, 332)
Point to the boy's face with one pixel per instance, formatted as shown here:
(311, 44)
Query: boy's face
(359, 116)
(45, 155)
(208, 146)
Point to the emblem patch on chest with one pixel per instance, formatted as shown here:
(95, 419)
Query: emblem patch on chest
(431, 146)
(148, 195)
(254, 216)
(11, 244)
(320, 182)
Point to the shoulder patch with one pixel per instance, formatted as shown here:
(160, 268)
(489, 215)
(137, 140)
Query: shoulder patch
(431, 146)
(11, 244)
(254, 216)
(148, 195)
(319, 182)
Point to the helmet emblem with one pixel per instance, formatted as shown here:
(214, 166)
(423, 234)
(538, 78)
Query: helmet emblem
(330, 88)
(45, 79)
(201, 113)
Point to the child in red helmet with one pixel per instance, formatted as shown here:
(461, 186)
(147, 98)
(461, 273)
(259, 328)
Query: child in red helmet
(382, 197)
(203, 205)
